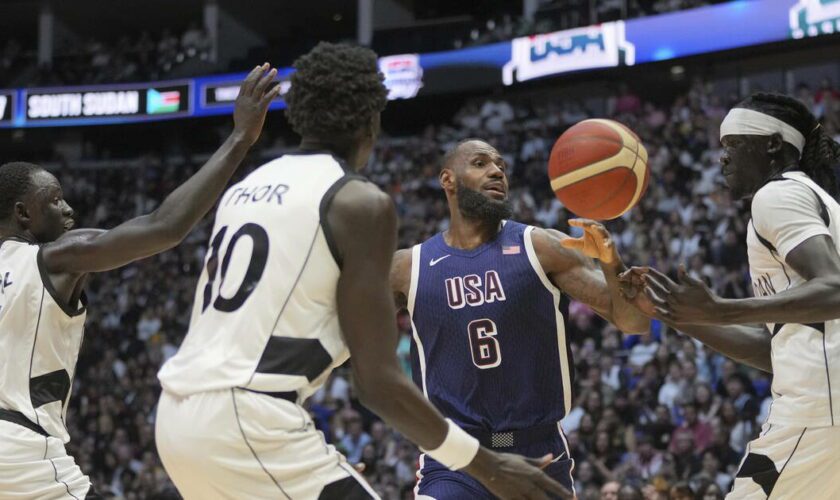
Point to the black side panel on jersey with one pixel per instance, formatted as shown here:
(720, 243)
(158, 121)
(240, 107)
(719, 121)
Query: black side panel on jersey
(291, 356)
(49, 387)
(344, 489)
(326, 201)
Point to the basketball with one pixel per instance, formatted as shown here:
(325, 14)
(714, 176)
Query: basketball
(598, 169)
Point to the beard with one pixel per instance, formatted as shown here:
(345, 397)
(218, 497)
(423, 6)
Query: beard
(474, 205)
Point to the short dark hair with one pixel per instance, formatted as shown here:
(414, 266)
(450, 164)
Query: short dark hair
(450, 155)
(335, 91)
(15, 179)
(821, 153)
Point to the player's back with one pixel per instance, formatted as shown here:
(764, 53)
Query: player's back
(264, 316)
(490, 347)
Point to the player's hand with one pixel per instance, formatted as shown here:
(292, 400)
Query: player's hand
(632, 288)
(255, 95)
(513, 477)
(690, 301)
(595, 243)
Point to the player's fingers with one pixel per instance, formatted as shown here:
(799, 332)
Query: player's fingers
(553, 487)
(663, 314)
(686, 278)
(259, 89)
(654, 298)
(665, 280)
(657, 286)
(540, 462)
(269, 96)
(247, 87)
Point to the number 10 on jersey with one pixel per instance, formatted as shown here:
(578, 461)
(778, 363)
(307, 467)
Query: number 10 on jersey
(484, 345)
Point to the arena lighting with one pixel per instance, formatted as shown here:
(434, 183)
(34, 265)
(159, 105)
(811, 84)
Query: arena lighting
(635, 41)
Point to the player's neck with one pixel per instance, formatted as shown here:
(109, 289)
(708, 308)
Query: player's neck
(345, 152)
(9, 231)
(467, 233)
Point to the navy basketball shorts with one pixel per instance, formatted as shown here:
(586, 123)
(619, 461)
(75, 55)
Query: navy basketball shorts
(436, 482)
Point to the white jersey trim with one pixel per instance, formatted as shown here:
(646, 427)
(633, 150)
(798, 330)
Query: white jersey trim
(412, 297)
(565, 370)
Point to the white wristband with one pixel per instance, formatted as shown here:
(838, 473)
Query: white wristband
(457, 450)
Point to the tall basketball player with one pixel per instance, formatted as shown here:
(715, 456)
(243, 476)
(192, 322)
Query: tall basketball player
(296, 281)
(776, 153)
(490, 346)
(43, 269)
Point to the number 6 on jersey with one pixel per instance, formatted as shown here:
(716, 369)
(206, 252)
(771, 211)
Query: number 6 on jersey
(483, 344)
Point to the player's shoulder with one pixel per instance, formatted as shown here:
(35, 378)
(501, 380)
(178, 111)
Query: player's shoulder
(547, 238)
(781, 192)
(355, 196)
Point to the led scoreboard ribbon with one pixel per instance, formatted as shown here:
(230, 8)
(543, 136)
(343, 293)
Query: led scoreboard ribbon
(656, 38)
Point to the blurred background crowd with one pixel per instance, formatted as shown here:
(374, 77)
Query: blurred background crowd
(655, 416)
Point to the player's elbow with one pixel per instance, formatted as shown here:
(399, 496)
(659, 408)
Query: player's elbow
(165, 234)
(375, 388)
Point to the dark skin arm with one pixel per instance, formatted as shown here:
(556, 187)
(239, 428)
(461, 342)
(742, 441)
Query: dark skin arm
(401, 277)
(77, 253)
(570, 265)
(818, 299)
(364, 225)
(747, 344)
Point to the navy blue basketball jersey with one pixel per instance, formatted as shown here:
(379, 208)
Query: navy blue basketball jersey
(490, 348)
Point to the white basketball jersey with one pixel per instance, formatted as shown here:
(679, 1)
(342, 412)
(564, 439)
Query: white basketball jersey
(39, 340)
(806, 357)
(264, 316)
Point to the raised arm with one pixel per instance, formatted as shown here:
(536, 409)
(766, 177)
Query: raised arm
(91, 251)
(363, 223)
(570, 265)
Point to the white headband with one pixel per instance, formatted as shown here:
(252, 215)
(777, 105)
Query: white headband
(742, 121)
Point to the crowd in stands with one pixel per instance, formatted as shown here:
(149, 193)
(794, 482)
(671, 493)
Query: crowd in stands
(132, 57)
(656, 416)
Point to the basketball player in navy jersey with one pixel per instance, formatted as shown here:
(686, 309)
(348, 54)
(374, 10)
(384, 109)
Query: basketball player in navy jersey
(44, 266)
(312, 291)
(490, 348)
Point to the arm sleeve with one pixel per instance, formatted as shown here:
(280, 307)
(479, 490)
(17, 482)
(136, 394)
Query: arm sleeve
(786, 213)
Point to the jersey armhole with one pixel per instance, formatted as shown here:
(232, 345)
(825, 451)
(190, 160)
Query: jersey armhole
(48, 285)
(324, 209)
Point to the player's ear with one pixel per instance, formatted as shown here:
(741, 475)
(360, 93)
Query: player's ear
(774, 143)
(447, 179)
(22, 214)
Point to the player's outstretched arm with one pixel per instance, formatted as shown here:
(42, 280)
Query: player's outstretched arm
(363, 223)
(689, 300)
(747, 344)
(569, 263)
(93, 251)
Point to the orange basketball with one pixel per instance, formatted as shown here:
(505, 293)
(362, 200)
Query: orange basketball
(598, 169)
